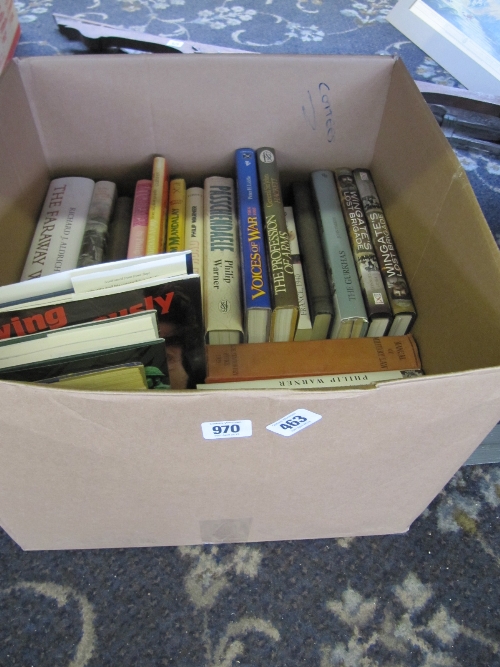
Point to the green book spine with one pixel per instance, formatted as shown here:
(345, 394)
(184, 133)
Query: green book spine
(317, 285)
(351, 320)
(283, 288)
(395, 281)
(370, 277)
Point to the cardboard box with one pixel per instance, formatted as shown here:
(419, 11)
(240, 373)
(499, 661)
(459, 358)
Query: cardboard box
(82, 470)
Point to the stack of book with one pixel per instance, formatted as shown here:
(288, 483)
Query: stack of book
(307, 294)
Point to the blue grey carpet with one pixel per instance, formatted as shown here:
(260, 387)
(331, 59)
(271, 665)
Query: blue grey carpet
(428, 598)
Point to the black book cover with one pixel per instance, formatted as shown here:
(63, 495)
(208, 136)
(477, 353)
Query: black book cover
(177, 303)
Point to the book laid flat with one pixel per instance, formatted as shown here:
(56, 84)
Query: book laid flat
(151, 355)
(176, 217)
(59, 232)
(222, 278)
(176, 300)
(304, 326)
(119, 230)
(285, 301)
(95, 236)
(83, 338)
(140, 217)
(314, 357)
(317, 381)
(157, 216)
(93, 278)
(398, 291)
(313, 262)
(372, 285)
(123, 377)
(351, 320)
(256, 292)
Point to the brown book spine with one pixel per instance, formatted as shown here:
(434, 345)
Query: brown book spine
(259, 361)
(283, 287)
(370, 277)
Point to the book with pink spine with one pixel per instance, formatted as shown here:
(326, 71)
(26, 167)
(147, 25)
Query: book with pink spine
(139, 222)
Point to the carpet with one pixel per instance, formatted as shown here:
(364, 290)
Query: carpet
(427, 598)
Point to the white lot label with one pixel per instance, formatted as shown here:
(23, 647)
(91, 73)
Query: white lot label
(237, 429)
(294, 422)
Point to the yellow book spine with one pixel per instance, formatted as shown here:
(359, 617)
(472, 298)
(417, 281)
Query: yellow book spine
(176, 221)
(156, 217)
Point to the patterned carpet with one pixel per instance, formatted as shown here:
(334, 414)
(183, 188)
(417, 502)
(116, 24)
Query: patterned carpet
(428, 598)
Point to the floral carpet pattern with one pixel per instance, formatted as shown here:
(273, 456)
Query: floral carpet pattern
(428, 598)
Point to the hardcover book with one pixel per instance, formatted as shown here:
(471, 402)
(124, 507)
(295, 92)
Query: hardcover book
(177, 302)
(370, 277)
(284, 296)
(176, 219)
(256, 292)
(59, 233)
(140, 218)
(313, 262)
(41, 355)
(95, 235)
(222, 280)
(317, 381)
(157, 216)
(351, 320)
(119, 230)
(304, 326)
(229, 363)
(398, 291)
(122, 377)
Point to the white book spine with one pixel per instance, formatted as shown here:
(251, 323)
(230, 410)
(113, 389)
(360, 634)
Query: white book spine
(304, 325)
(59, 233)
(222, 278)
(316, 381)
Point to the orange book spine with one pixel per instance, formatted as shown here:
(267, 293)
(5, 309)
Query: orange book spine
(265, 361)
(157, 207)
(139, 223)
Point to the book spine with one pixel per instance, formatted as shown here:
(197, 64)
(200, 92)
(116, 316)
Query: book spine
(304, 326)
(59, 232)
(96, 228)
(119, 230)
(255, 273)
(370, 277)
(395, 281)
(222, 280)
(140, 217)
(194, 227)
(351, 319)
(308, 358)
(315, 273)
(157, 207)
(317, 381)
(283, 288)
(176, 221)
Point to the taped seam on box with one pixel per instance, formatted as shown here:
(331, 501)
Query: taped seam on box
(225, 531)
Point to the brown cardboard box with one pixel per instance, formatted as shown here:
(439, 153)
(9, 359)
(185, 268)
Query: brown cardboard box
(84, 470)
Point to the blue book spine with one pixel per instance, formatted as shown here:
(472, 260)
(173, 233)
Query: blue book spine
(255, 275)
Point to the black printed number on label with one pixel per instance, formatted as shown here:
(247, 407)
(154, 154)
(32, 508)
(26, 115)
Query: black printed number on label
(296, 420)
(226, 428)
